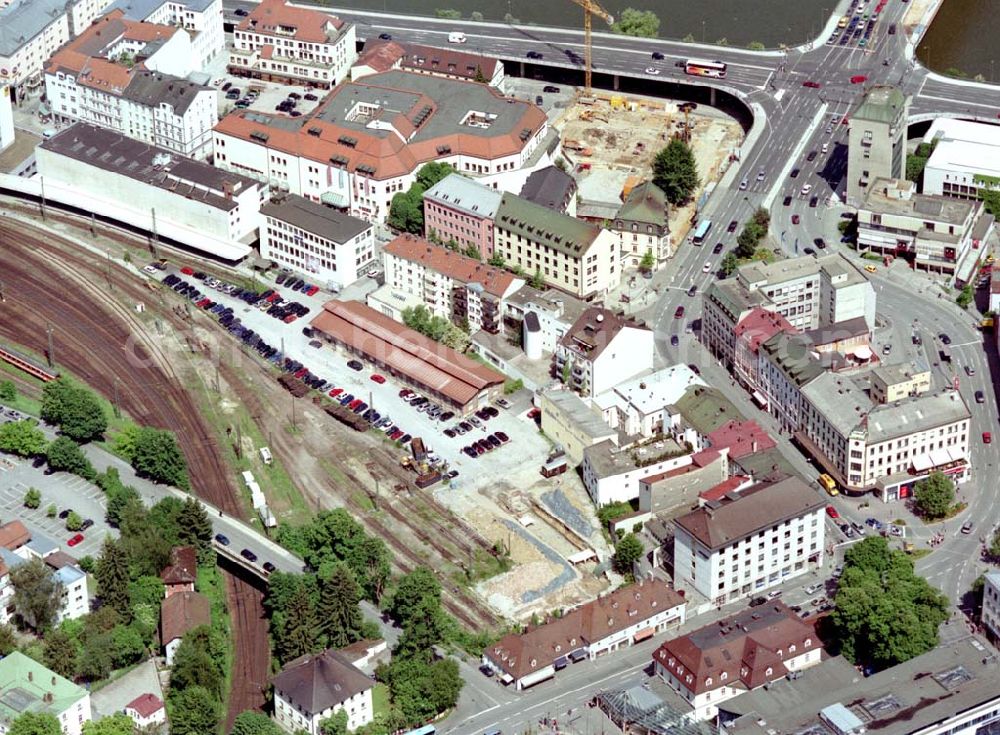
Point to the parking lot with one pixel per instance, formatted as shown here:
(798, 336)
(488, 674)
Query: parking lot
(65, 491)
(524, 451)
(266, 97)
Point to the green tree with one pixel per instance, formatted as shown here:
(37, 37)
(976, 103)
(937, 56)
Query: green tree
(118, 500)
(35, 723)
(73, 521)
(406, 211)
(675, 171)
(471, 251)
(749, 237)
(254, 723)
(537, 281)
(51, 511)
(128, 646)
(729, 263)
(8, 391)
(195, 665)
(934, 495)
(194, 528)
(965, 296)
(75, 410)
(648, 262)
(37, 593)
(421, 690)
(97, 658)
(762, 217)
(193, 711)
(496, 260)
(627, 551)
(424, 630)
(60, 653)
(915, 167)
(301, 627)
(22, 438)
(117, 724)
(756, 46)
(411, 592)
(339, 616)
(65, 455)
(157, 457)
(336, 724)
(33, 498)
(113, 578)
(639, 23)
(431, 173)
(448, 13)
(8, 641)
(146, 590)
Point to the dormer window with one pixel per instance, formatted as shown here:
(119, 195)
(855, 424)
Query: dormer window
(791, 648)
(809, 642)
(767, 671)
(724, 676)
(708, 681)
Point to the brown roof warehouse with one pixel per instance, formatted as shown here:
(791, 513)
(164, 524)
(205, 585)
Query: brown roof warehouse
(439, 372)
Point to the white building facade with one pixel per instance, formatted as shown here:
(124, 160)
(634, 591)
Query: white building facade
(602, 350)
(30, 32)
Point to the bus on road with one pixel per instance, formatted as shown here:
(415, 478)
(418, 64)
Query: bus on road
(701, 232)
(704, 68)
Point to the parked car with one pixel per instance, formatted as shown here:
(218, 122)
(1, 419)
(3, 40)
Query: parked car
(832, 512)
(355, 365)
(269, 567)
(248, 555)
(378, 378)
(758, 601)
(75, 540)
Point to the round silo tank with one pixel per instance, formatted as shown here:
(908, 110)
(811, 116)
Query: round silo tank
(532, 336)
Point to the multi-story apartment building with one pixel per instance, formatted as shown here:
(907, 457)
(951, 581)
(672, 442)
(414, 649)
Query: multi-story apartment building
(6, 117)
(313, 687)
(885, 447)
(451, 285)
(280, 42)
(785, 363)
(639, 406)
(367, 139)
(877, 141)
(552, 312)
(601, 350)
(940, 234)
(643, 225)
(725, 659)
(321, 243)
(761, 537)
(460, 210)
(30, 32)
(379, 55)
(82, 13)
(201, 19)
(891, 383)
(756, 328)
(127, 76)
(570, 254)
(807, 292)
(991, 604)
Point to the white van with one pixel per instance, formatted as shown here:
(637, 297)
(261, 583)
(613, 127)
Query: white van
(826, 147)
(265, 455)
(456, 37)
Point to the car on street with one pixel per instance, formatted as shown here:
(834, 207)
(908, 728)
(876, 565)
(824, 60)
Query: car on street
(967, 527)
(758, 601)
(813, 202)
(987, 437)
(945, 339)
(380, 379)
(886, 348)
(761, 174)
(808, 251)
(969, 370)
(269, 567)
(806, 188)
(674, 340)
(534, 55)
(717, 249)
(812, 156)
(732, 226)
(657, 56)
(75, 540)
(794, 174)
(679, 312)
(707, 268)
(871, 269)
(859, 79)
(980, 397)
(221, 540)
(787, 201)
(652, 70)
(355, 365)
(811, 84)
(550, 89)
(832, 512)
(248, 555)
(385, 36)
(820, 243)
(795, 219)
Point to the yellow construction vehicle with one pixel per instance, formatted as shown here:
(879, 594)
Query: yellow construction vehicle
(590, 7)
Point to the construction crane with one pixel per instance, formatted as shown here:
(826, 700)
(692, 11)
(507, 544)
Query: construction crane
(590, 8)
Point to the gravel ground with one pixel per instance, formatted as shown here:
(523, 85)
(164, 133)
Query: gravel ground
(560, 505)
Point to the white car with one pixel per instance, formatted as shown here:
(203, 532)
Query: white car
(806, 188)
(652, 70)
(707, 268)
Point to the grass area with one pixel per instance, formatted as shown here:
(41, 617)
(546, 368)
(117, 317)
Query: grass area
(919, 553)
(899, 522)
(484, 566)
(380, 700)
(209, 583)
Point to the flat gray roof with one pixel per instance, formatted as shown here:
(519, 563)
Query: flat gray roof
(462, 193)
(608, 460)
(142, 9)
(922, 692)
(575, 409)
(111, 151)
(316, 218)
(22, 20)
(923, 206)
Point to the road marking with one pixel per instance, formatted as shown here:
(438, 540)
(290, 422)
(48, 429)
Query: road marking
(961, 102)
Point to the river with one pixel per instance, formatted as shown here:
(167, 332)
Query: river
(963, 37)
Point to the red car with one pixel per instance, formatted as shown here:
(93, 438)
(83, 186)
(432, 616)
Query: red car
(987, 438)
(795, 219)
(354, 404)
(75, 540)
(679, 312)
(405, 393)
(378, 378)
(300, 372)
(832, 512)
(312, 290)
(811, 84)
(859, 79)
(336, 392)
(290, 318)
(187, 272)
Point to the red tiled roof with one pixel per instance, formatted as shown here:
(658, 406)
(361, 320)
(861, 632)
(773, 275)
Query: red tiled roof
(145, 704)
(14, 535)
(742, 438)
(495, 281)
(448, 61)
(181, 612)
(743, 647)
(380, 55)
(521, 654)
(760, 325)
(408, 352)
(183, 567)
(308, 25)
(723, 488)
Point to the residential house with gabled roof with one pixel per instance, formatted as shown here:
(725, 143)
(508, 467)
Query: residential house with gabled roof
(180, 613)
(643, 224)
(616, 620)
(551, 187)
(601, 350)
(737, 654)
(182, 572)
(313, 687)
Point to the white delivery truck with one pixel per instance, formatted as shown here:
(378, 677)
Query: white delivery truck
(456, 37)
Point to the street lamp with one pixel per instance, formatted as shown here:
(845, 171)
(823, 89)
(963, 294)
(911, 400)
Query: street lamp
(991, 70)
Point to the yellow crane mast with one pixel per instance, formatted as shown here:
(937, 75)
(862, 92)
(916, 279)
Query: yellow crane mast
(590, 8)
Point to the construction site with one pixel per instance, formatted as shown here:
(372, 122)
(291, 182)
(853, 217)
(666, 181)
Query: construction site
(609, 142)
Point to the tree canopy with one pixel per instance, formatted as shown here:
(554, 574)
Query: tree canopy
(155, 455)
(37, 593)
(934, 495)
(675, 171)
(35, 723)
(627, 551)
(885, 614)
(117, 724)
(639, 23)
(22, 438)
(254, 723)
(439, 329)
(75, 410)
(406, 211)
(65, 455)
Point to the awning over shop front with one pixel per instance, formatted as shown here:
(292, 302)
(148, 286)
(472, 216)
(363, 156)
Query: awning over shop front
(937, 458)
(560, 663)
(506, 678)
(642, 635)
(760, 399)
